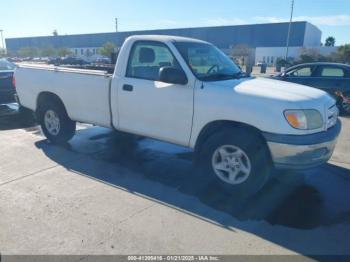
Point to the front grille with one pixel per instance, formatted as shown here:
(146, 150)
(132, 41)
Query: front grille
(332, 116)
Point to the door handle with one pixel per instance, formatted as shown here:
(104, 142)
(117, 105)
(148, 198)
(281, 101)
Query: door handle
(128, 88)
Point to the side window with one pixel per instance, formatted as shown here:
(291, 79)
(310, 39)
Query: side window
(146, 59)
(301, 72)
(332, 72)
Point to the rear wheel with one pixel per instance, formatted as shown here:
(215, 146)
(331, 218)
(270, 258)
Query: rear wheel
(237, 160)
(55, 123)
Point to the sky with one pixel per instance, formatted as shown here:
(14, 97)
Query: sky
(21, 18)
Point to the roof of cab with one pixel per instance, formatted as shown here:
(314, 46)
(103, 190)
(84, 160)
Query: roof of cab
(164, 38)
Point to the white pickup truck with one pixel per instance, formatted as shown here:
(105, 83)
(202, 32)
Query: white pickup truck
(189, 93)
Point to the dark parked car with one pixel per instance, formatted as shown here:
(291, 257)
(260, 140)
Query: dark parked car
(70, 60)
(101, 61)
(8, 105)
(53, 60)
(330, 77)
(7, 88)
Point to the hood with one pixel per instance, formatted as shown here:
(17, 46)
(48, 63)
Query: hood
(272, 89)
(261, 102)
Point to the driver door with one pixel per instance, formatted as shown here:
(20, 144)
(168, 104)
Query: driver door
(149, 107)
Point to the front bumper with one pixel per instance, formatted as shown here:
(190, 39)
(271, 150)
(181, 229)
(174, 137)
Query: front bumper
(303, 151)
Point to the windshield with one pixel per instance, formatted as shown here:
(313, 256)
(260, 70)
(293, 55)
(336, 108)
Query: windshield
(207, 62)
(6, 65)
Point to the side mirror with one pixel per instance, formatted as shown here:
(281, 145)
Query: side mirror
(172, 75)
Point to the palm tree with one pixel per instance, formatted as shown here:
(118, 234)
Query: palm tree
(330, 41)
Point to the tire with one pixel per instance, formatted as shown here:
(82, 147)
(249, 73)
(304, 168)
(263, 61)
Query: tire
(343, 108)
(255, 156)
(55, 123)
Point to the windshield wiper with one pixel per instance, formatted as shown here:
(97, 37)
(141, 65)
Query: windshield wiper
(218, 76)
(242, 74)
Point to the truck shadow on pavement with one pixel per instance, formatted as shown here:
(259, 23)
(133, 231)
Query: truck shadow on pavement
(286, 200)
(164, 174)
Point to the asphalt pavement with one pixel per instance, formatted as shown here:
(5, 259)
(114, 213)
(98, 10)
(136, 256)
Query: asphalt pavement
(111, 193)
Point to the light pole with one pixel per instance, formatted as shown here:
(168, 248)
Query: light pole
(2, 40)
(116, 24)
(289, 29)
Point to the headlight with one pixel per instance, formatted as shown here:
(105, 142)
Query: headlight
(304, 119)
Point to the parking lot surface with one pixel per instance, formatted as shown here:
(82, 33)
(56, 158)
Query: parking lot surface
(110, 193)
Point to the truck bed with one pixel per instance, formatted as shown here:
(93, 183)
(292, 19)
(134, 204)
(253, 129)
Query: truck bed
(64, 69)
(85, 93)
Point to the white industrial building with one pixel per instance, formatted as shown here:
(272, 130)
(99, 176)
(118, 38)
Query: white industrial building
(269, 55)
(267, 42)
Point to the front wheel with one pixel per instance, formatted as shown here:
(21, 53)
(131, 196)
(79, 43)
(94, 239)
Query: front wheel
(344, 104)
(237, 160)
(55, 123)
